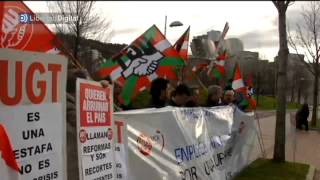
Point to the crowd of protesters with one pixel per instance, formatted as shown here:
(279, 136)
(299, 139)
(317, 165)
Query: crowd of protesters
(162, 93)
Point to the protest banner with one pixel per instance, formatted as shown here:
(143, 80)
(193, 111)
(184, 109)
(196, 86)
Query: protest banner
(95, 130)
(32, 115)
(188, 143)
(121, 150)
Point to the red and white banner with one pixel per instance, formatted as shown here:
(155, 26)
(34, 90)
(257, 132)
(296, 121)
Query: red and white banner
(95, 130)
(121, 150)
(32, 115)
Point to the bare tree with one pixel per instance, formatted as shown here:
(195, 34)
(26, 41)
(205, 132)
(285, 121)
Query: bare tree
(87, 23)
(280, 136)
(306, 36)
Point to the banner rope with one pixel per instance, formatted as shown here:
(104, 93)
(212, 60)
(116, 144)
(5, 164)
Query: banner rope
(260, 139)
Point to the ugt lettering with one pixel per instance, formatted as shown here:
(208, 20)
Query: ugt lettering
(25, 82)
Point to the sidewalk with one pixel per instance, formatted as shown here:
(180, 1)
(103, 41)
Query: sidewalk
(307, 143)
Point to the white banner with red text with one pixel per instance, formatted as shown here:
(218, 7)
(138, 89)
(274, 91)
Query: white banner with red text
(95, 131)
(188, 143)
(32, 115)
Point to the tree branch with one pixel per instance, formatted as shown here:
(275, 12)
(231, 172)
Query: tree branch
(306, 44)
(293, 45)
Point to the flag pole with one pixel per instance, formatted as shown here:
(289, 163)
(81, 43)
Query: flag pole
(221, 38)
(260, 134)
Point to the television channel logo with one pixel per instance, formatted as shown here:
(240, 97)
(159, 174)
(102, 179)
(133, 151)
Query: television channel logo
(28, 18)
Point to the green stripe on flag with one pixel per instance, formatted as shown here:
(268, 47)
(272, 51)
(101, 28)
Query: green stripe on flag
(109, 63)
(128, 89)
(217, 73)
(244, 102)
(150, 34)
(124, 58)
(171, 61)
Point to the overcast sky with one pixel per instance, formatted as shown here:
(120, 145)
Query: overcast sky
(254, 22)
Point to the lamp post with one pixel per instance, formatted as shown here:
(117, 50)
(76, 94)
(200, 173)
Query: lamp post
(165, 26)
(173, 24)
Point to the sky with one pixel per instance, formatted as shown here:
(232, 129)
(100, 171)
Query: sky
(255, 23)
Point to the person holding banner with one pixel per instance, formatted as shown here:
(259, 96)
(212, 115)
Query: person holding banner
(72, 156)
(117, 88)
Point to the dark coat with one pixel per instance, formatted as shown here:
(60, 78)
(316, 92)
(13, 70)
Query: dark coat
(302, 115)
(157, 104)
(213, 103)
(72, 151)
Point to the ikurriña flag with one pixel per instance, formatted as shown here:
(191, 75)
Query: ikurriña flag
(248, 102)
(182, 44)
(237, 82)
(148, 57)
(219, 66)
(249, 95)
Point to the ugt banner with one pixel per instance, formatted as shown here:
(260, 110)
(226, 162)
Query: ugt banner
(95, 132)
(32, 115)
(188, 143)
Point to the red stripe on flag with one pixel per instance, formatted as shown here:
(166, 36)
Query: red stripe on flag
(184, 54)
(237, 74)
(7, 150)
(221, 69)
(170, 52)
(106, 71)
(167, 71)
(142, 82)
(121, 80)
(179, 45)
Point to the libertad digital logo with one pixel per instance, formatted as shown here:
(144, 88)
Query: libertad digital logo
(147, 143)
(47, 18)
(27, 18)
